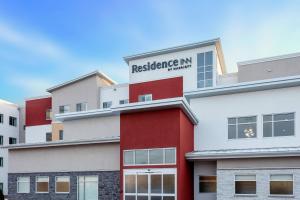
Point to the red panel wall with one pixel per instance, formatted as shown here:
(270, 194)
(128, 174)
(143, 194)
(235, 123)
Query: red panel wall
(159, 129)
(35, 111)
(160, 89)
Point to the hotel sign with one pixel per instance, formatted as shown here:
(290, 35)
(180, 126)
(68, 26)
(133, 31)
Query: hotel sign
(170, 65)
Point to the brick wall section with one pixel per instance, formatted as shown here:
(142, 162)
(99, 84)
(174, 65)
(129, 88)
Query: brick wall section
(226, 184)
(108, 186)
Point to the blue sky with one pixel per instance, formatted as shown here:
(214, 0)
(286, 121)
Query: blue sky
(43, 43)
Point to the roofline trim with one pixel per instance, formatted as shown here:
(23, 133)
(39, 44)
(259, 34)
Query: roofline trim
(64, 143)
(38, 97)
(171, 49)
(100, 74)
(268, 59)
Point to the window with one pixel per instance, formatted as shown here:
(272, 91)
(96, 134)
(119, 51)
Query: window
(242, 127)
(124, 101)
(64, 109)
(81, 107)
(281, 184)
(145, 97)
(23, 184)
(1, 161)
(1, 187)
(61, 134)
(245, 184)
(87, 188)
(150, 156)
(279, 125)
(62, 184)
(1, 139)
(48, 137)
(107, 104)
(1, 118)
(205, 69)
(207, 184)
(12, 140)
(12, 121)
(42, 184)
(48, 114)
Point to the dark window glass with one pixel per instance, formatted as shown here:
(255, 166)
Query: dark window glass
(1, 161)
(12, 121)
(12, 140)
(279, 125)
(245, 187)
(281, 184)
(1, 118)
(267, 129)
(156, 184)
(207, 184)
(1, 187)
(1, 140)
(130, 184)
(200, 59)
(61, 134)
(48, 137)
(284, 128)
(107, 104)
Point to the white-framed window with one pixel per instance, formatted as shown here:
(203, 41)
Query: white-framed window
(87, 188)
(245, 184)
(207, 184)
(81, 107)
(124, 101)
(48, 137)
(158, 156)
(64, 109)
(107, 104)
(205, 69)
(242, 127)
(281, 184)
(62, 184)
(12, 121)
(145, 97)
(49, 114)
(275, 125)
(156, 184)
(23, 184)
(12, 140)
(42, 184)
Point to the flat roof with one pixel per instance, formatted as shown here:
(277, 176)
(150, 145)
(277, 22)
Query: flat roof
(161, 104)
(215, 41)
(97, 73)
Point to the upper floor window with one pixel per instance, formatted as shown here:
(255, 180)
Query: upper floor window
(48, 137)
(1, 118)
(205, 69)
(124, 101)
(107, 104)
(145, 97)
(48, 114)
(1, 139)
(64, 109)
(281, 184)
(12, 121)
(12, 140)
(81, 107)
(242, 127)
(150, 156)
(279, 125)
(61, 134)
(1, 161)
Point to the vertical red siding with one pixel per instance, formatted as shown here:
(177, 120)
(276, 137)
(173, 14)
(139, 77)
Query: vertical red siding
(35, 111)
(160, 89)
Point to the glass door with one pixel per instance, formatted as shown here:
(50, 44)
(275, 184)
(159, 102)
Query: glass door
(154, 184)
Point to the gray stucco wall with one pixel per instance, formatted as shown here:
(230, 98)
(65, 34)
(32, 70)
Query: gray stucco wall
(108, 186)
(269, 69)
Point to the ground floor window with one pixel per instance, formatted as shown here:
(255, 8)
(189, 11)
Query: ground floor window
(87, 187)
(158, 184)
(207, 184)
(42, 184)
(281, 184)
(62, 184)
(245, 184)
(23, 185)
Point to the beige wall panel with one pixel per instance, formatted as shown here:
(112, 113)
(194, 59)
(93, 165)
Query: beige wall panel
(93, 157)
(56, 127)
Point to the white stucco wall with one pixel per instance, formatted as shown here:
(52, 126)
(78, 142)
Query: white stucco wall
(211, 133)
(7, 131)
(36, 134)
(114, 93)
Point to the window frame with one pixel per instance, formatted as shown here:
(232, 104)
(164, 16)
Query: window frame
(78, 183)
(13, 139)
(83, 106)
(237, 138)
(1, 118)
(125, 101)
(282, 195)
(1, 140)
(23, 182)
(1, 161)
(272, 114)
(64, 110)
(61, 133)
(235, 175)
(36, 182)
(148, 157)
(207, 182)
(204, 66)
(145, 96)
(107, 102)
(50, 133)
(13, 121)
(55, 178)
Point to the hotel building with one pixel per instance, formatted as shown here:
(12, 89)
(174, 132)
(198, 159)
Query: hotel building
(183, 128)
